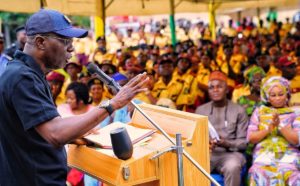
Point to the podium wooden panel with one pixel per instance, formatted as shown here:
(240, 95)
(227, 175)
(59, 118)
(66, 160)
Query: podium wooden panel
(143, 171)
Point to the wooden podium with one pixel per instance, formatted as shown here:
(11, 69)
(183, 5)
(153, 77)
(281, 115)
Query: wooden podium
(140, 169)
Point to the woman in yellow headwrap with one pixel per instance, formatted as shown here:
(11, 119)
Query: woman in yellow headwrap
(274, 129)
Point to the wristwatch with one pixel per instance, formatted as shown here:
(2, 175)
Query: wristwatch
(107, 106)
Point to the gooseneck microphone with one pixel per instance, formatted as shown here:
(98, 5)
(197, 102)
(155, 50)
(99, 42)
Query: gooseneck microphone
(94, 69)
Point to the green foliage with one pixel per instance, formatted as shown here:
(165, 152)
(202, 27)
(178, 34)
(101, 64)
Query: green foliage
(14, 19)
(82, 21)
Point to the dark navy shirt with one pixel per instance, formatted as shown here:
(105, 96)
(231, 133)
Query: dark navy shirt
(25, 102)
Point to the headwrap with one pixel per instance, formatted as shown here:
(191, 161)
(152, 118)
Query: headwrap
(285, 61)
(268, 84)
(218, 75)
(55, 76)
(251, 71)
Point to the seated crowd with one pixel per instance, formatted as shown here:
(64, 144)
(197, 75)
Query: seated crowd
(249, 87)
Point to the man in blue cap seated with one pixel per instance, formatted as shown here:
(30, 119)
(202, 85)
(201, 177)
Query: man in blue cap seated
(32, 133)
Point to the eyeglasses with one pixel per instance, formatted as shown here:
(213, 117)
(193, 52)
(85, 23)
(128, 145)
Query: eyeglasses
(65, 41)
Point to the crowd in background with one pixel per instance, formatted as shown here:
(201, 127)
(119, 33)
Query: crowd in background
(251, 56)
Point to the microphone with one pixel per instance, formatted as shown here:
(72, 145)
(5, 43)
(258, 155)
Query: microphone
(94, 69)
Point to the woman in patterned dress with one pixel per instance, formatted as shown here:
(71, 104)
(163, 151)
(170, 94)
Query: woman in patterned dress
(273, 129)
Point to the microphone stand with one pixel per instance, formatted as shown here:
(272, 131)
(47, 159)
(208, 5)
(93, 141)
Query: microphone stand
(170, 139)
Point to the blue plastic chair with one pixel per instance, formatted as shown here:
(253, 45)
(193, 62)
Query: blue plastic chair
(220, 178)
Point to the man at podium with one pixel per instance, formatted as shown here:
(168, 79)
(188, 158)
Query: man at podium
(230, 121)
(32, 133)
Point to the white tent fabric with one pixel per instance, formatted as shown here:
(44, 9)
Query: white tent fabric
(139, 7)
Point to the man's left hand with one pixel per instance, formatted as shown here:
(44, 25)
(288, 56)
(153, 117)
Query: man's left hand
(223, 143)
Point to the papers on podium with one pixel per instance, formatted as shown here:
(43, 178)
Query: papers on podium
(102, 138)
(212, 132)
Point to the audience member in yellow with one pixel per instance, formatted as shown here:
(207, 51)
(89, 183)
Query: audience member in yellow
(73, 68)
(182, 34)
(190, 89)
(89, 43)
(206, 66)
(79, 46)
(96, 90)
(281, 31)
(100, 50)
(107, 67)
(298, 62)
(260, 30)
(230, 31)
(84, 77)
(289, 72)
(159, 39)
(274, 53)
(240, 90)
(121, 57)
(195, 59)
(167, 86)
(147, 96)
(263, 60)
(56, 81)
(131, 39)
(167, 49)
(224, 58)
(107, 64)
(273, 26)
(253, 76)
(114, 40)
(132, 71)
(132, 64)
(153, 64)
(237, 60)
(295, 99)
(287, 26)
(288, 47)
(195, 32)
(143, 38)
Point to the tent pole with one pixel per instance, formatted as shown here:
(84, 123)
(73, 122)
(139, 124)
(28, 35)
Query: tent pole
(172, 22)
(99, 19)
(258, 12)
(212, 19)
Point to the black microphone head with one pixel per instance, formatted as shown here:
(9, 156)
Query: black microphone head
(92, 68)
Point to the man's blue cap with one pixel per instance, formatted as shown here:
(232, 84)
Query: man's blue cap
(52, 21)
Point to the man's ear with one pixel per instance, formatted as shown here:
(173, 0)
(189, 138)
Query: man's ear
(40, 42)
(226, 87)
